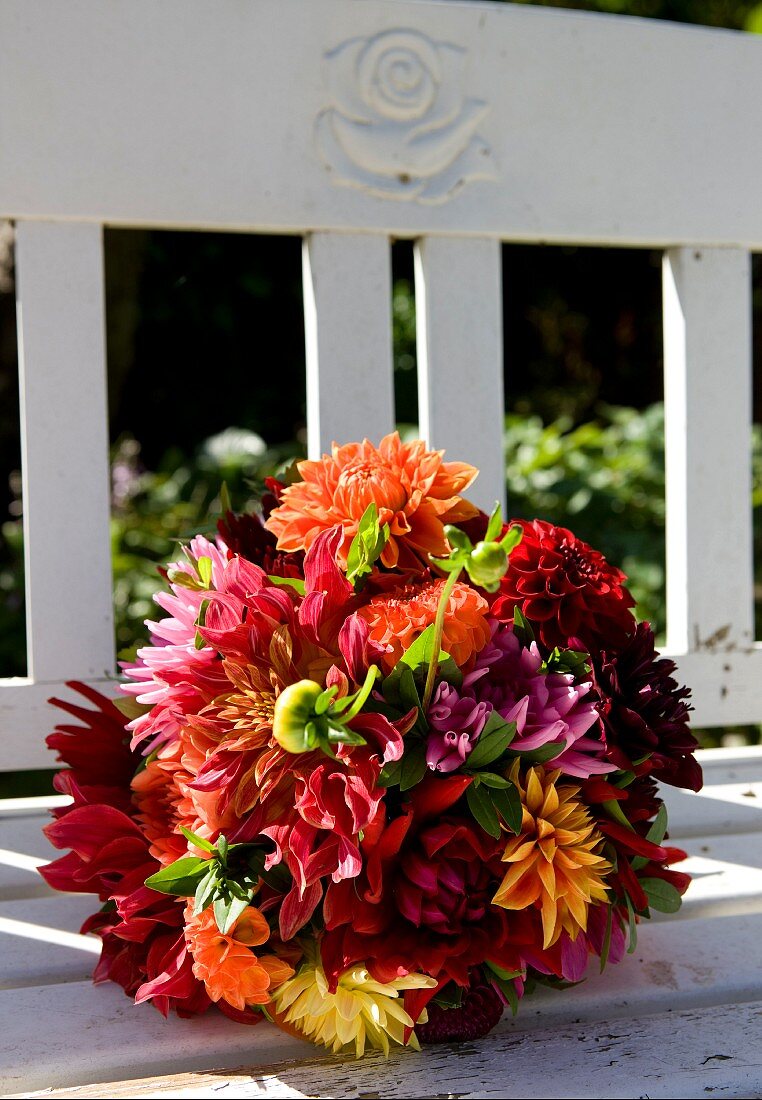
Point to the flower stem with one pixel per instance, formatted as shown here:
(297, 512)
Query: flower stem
(362, 696)
(444, 599)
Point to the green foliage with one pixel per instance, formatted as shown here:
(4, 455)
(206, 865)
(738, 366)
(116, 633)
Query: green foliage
(605, 481)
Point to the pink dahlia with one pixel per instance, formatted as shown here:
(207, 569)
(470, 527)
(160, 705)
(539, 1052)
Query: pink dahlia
(549, 708)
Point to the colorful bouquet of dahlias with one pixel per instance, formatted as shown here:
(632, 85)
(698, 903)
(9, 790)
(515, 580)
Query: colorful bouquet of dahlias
(386, 764)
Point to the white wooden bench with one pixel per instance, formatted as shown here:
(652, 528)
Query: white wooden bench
(350, 122)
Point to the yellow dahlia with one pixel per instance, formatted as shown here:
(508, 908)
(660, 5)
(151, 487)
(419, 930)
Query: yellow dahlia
(554, 863)
(360, 1011)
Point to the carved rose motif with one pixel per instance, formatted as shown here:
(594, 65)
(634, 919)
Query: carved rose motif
(400, 124)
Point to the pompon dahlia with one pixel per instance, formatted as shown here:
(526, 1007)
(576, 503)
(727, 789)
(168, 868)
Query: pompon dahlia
(479, 1012)
(645, 713)
(360, 1012)
(554, 863)
(397, 617)
(566, 589)
(415, 491)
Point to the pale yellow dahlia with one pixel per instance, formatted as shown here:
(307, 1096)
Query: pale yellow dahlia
(360, 1011)
(554, 863)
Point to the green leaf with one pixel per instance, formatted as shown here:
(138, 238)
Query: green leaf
(324, 700)
(495, 525)
(658, 830)
(421, 650)
(227, 910)
(505, 975)
(458, 539)
(225, 502)
(606, 948)
(633, 926)
(222, 848)
(413, 767)
(661, 895)
(199, 841)
(391, 774)
(288, 582)
(199, 642)
(538, 756)
(206, 889)
(522, 627)
(655, 834)
(493, 742)
(480, 805)
(400, 687)
(512, 538)
(504, 980)
(507, 802)
(181, 877)
(204, 566)
(129, 707)
(367, 545)
(568, 660)
(492, 779)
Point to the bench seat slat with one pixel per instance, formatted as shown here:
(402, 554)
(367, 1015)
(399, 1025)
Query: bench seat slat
(692, 1053)
(677, 965)
(459, 311)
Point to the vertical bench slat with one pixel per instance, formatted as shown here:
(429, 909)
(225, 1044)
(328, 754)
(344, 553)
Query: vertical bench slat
(348, 334)
(707, 389)
(64, 430)
(459, 311)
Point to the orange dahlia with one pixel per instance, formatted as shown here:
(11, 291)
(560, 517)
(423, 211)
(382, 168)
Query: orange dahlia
(554, 864)
(397, 617)
(415, 492)
(227, 965)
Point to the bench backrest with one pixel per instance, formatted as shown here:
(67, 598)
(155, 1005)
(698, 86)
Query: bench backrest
(456, 124)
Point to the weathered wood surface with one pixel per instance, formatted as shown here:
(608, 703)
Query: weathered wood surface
(681, 1015)
(266, 116)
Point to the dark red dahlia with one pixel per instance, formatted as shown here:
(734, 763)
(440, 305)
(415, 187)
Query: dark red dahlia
(444, 884)
(246, 534)
(645, 712)
(479, 1011)
(565, 589)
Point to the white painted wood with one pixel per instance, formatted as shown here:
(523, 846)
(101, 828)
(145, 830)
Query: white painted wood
(26, 717)
(707, 392)
(721, 808)
(222, 131)
(23, 848)
(692, 1053)
(95, 1033)
(99, 1039)
(459, 323)
(39, 941)
(60, 297)
(348, 333)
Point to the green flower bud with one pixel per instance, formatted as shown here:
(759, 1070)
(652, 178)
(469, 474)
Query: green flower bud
(486, 565)
(294, 722)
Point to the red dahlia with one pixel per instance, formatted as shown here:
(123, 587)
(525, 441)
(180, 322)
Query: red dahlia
(565, 589)
(644, 711)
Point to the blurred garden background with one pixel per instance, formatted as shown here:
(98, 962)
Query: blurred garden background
(206, 385)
